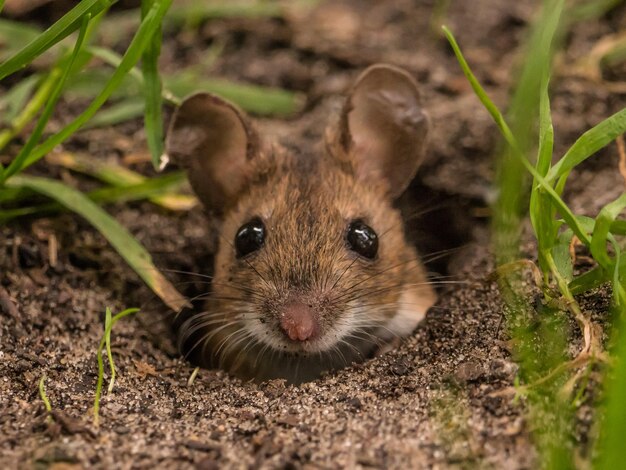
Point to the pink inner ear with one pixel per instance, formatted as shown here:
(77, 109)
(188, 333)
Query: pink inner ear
(184, 142)
(225, 155)
(210, 138)
(387, 127)
(372, 133)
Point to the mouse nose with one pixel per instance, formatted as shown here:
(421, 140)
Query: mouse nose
(298, 321)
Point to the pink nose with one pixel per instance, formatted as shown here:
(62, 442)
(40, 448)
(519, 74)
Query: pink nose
(298, 321)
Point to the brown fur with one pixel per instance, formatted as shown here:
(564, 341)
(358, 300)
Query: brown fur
(306, 203)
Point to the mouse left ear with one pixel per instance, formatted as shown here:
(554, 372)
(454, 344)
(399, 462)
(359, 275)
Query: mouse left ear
(383, 128)
(218, 147)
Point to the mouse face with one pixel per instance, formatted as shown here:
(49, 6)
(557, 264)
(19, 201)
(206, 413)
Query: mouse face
(312, 270)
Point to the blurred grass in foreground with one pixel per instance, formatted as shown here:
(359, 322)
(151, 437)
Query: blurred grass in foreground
(552, 382)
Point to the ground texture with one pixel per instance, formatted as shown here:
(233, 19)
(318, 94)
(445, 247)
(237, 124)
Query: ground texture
(439, 400)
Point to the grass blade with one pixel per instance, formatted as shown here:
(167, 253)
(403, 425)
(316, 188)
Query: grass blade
(597, 276)
(513, 182)
(66, 66)
(589, 143)
(109, 322)
(153, 188)
(12, 195)
(32, 107)
(120, 176)
(42, 393)
(590, 280)
(14, 100)
(610, 446)
(13, 36)
(601, 231)
(546, 130)
(194, 13)
(113, 59)
(560, 253)
(131, 57)
(566, 213)
(541, 213)
(107, 344)
(588, 10)
(619, 290)
(124, 243)
(158, 189)
(107, 334)
(120, 112)
(69, 23)
(618, 227)
(253, 98)
(153, 118)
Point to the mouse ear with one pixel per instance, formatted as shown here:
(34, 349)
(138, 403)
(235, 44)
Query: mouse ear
(213, 141)
(383, 128)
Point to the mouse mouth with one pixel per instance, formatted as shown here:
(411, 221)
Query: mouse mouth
(294, 345)
(298, 338)
(299, 326)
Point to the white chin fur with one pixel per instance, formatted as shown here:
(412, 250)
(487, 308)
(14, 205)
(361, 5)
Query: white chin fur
(413, 305)
(325, 343)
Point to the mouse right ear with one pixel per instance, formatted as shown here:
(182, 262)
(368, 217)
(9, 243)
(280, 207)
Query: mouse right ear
(383, 128)
(212, 140)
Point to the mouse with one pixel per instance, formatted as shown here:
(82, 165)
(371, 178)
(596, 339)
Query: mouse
(312, 270)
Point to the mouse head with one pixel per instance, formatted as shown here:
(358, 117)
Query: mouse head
(312, 267)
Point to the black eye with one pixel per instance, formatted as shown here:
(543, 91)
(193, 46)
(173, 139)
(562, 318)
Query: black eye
(362, 239)
(250, 237)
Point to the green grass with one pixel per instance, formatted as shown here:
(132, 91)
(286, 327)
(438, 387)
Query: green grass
(552, 382)
(117, 89)
(63, 69)
(126, 245)
(153, 117)
(105, 344)
(42, 394)
(69, 23)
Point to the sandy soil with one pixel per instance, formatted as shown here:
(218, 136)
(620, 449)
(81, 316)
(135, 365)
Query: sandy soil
(435, 401)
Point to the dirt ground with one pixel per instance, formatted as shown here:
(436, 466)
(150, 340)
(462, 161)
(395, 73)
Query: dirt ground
(433, 402)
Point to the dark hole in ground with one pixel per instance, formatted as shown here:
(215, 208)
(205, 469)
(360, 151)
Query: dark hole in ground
(439, 224)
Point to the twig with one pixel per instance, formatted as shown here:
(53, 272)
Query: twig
(572, 248)
(7, 305)
(578, 361)
(621, 150)
(192, 377)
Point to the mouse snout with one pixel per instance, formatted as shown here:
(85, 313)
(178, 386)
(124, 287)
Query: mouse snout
(299, 321)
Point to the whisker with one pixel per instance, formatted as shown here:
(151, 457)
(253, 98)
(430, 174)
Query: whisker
(206, 338)
(343, 273)
(351, 346)
(412, 216)
(261, 353)
(247, 262)
(365, 292)
(188, 273)
(200, 325)
(437, 255)
(234, 342)
(379, 273)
